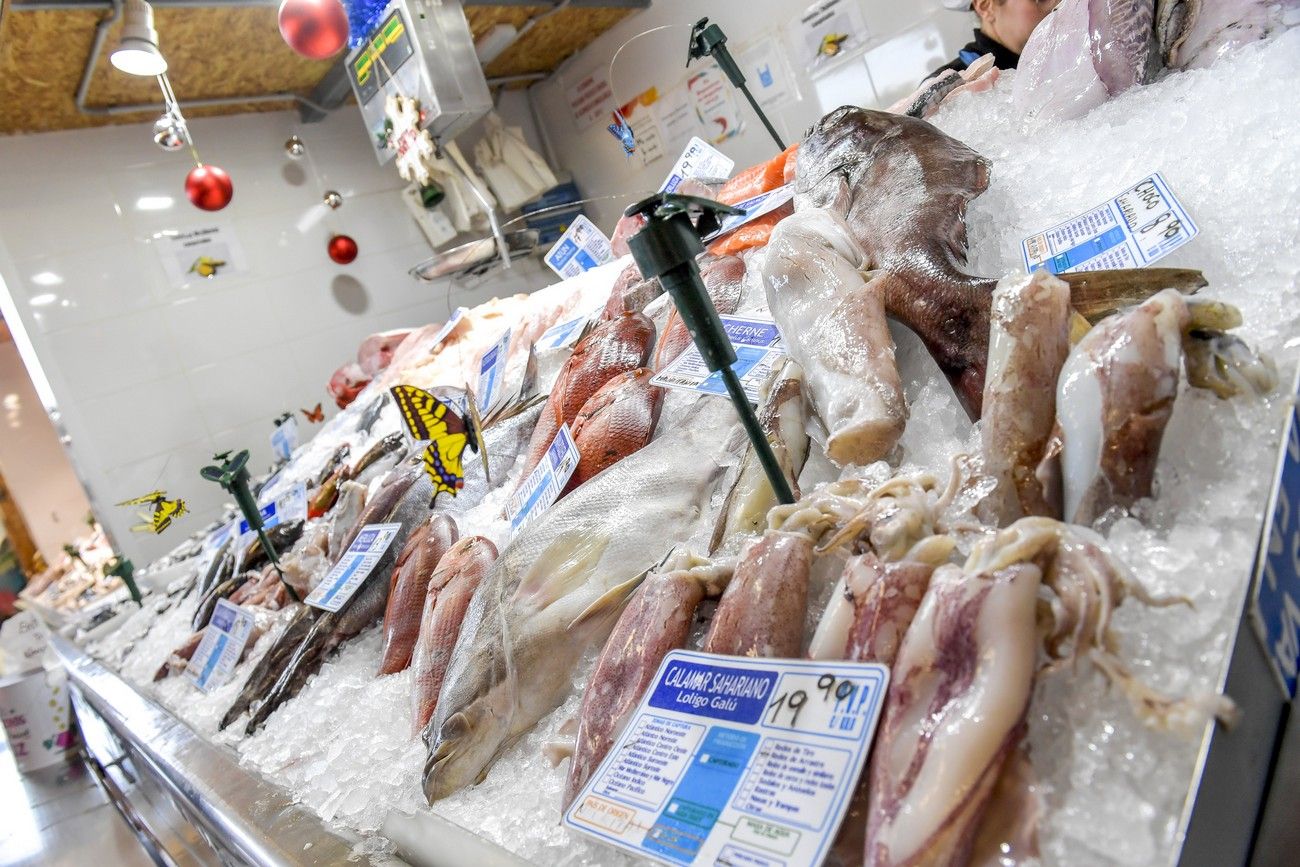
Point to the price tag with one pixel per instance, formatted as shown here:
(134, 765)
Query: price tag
(361, 557)
(730, 760)
(491, 370)
(564, 334)
(448, 327)
(699, 160)
(292, 506)
(1140, 225)
(218, 537)
(581, 248)
(222, 645)
(1276, 609)
(544, 483)
(285, 439)
(758, 349)
(763, 203)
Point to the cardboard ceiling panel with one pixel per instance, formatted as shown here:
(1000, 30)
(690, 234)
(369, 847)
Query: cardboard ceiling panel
(221, 52)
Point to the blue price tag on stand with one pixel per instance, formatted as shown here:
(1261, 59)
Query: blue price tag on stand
(222, 644)
(285, 439)
(491, 370)
(1276, 609)
(1140, 225)
(545, 482)
(731, 760)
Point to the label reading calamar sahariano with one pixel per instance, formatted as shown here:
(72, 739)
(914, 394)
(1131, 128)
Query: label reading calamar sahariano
(731, 760)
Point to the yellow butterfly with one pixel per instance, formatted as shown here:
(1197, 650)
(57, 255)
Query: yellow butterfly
(428, 418)
(164, 511)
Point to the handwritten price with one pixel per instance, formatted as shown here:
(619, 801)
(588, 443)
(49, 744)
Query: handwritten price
(792, 702)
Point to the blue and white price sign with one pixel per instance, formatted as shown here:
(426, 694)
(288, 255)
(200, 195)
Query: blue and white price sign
(1140, 225)
(491, 370)
(1276, 610)
(581, 248)
(732, 760)
(758, 348)
(545, 482)
(221, 646)
(561, 335)
(358, 561)
(291, 506)
(285, 439)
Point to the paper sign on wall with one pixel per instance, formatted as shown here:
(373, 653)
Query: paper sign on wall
(677, 116)
(221, 646)
(193, 256)
(758, 349)
(581, 248)
(358, 561)
(1139, 226)
(715, 104)
(731, 760)
(829, 31)
(590, 99)
(766, 72)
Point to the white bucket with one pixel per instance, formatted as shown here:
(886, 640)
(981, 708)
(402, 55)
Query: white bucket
(37, 717)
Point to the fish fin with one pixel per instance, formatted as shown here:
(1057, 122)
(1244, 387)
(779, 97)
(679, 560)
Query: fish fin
(1098, 294)
(609, 603)
(566, 563)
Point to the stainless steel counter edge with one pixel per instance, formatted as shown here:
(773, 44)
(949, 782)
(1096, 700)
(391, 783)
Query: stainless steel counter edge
(254, 818)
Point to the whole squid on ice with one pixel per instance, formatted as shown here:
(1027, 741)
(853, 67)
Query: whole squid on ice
(1028, 344)
(1117, 389)
(410, 584)
(450, 589)
(901, 187)
(833, 323)
(559, 586)
(961, 683)
(657, 620)
(761, 613)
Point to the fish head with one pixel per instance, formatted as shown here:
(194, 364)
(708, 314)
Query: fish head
(463, 747)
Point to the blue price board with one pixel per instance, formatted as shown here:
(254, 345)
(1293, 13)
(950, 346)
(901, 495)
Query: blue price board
(1276, 608)
(732, 760)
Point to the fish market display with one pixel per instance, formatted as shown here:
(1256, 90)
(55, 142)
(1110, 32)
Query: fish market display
(1035, 498)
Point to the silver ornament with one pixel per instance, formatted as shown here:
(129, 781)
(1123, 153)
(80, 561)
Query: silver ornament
(333, 199)
(294, 147)
(169, 133)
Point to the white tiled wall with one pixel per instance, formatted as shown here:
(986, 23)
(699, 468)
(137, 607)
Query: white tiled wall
(151, 379)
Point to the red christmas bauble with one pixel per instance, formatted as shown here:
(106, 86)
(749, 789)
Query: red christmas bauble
(314, 28)
(342, 249)
(209, 188)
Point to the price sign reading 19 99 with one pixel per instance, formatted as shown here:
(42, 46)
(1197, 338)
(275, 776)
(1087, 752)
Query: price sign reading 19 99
(732, 760)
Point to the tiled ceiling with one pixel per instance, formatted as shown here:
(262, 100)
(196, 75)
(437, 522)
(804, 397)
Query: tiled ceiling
(223, 51)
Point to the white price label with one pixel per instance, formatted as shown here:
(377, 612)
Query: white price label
(699, 160)
(763, 203)
(564, 334)
(291, 506)
(285, 438)
(545, 482)
(491, 370)
(758, 349)
(730, 760)
(1140, 225)
(357, 562)
(581, 248)
(222, 644)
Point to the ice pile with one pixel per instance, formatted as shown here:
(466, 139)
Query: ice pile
(1225, 140)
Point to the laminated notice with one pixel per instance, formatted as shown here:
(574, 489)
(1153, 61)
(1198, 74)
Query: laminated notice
(699, 160)
(758, 349)
(581, 248)
(564, 334)
(491, 370)
(357, 562)
(545, 482)
(1140, 225)
(734, 760)
(221, 646)
(285, 439)
(290, 506)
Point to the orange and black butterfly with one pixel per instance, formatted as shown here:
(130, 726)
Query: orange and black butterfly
(314, 416)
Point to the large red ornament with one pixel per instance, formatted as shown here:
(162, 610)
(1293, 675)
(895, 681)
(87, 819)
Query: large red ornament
(342, 249)
(314, 28)
(209, 188)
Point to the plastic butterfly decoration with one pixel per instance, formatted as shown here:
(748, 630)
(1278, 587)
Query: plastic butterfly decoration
(622, 131)
(428, 418)
(314, 416)
(164, 511)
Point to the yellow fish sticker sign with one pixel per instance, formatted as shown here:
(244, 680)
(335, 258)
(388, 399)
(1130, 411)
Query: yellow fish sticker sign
(428, 418)
(831, 44)
(206, 266)
(164, 511)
